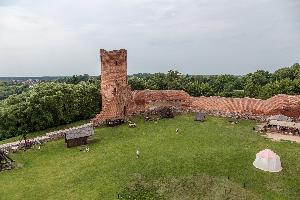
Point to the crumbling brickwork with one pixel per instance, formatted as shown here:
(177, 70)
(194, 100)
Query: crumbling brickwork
(145, 100)
(288, 105)
(115, 91)
(118, 101)
(280, 104)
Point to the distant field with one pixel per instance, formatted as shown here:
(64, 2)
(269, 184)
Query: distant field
(210, 160)
(44, 78)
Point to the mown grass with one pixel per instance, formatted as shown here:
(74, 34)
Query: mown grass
(194, 164)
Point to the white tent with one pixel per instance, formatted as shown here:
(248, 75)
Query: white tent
(267, 160)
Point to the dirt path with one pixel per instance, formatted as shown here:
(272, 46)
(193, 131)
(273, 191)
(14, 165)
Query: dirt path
(278, 137)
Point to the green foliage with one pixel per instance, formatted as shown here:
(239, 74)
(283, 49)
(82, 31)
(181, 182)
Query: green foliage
(136, 83)
(255, 82)
(260, 84)
(47, 105)
(75, 79)
(77, 97)
(195, 85)
(9, 88)
(284, 86)
(291, 73)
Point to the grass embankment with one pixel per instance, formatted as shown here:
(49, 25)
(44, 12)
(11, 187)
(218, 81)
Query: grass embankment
(193, 164)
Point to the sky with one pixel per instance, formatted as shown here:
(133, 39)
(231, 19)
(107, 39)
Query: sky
(63, 37)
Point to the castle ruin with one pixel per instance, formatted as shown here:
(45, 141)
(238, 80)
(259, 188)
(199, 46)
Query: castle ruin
(115, 91)
(119, 101)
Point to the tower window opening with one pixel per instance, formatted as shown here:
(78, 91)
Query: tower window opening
(116, 62)
(125, 111)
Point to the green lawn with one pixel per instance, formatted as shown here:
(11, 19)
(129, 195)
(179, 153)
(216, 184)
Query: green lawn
(194, 164)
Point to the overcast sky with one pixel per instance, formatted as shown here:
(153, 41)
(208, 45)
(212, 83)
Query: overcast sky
(63, 37)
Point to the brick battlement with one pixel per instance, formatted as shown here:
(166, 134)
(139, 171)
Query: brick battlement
(118, 100)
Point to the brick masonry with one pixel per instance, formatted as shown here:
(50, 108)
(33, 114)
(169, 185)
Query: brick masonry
(280, 104)
(119, 101)
(115, 91)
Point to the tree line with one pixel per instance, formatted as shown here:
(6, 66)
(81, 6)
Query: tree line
(70, 99)
(47, 105)
(260, 84)
(9, 88)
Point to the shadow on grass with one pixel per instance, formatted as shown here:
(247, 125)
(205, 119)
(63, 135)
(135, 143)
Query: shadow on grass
(199, 186)
(94, 141)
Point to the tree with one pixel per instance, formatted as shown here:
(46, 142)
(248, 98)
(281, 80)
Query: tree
(255, 81)
(47, 105)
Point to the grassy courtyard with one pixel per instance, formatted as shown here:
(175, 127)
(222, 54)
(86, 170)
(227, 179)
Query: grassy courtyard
(210, 160)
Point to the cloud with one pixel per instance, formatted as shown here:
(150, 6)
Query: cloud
(194, 36)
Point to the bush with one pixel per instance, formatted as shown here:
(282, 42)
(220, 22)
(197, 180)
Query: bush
(47, 105)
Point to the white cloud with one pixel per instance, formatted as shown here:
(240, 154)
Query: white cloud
(196, 36)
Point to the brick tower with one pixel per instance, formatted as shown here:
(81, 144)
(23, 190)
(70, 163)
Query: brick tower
(115, 91)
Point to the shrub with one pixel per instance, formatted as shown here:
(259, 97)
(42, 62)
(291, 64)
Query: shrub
(47, 105)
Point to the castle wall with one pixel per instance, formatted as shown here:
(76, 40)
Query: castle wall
(119, 101)
(244, 107)
(145, 100)
(288, 105)
(280, 104)
(228, 105)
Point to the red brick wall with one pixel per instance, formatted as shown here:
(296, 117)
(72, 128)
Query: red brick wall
(280, 104)
(119, 101)
(288, 105)
(150, 99)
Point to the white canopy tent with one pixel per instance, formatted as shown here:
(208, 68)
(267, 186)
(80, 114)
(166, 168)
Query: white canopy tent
(267, 160)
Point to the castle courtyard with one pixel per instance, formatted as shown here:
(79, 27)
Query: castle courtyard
(209, 160)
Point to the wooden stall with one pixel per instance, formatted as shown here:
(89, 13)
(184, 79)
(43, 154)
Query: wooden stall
(78, 136)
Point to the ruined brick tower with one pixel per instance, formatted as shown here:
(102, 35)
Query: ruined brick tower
(118, 101)
(115, 91)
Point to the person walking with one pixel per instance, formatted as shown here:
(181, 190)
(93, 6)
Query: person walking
(137, 153)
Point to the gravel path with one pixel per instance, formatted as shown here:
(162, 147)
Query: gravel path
(277, 137)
